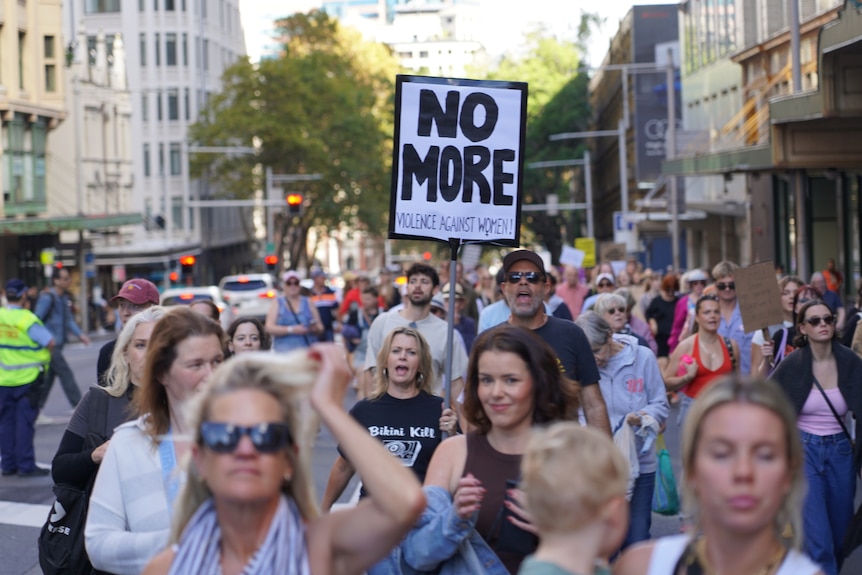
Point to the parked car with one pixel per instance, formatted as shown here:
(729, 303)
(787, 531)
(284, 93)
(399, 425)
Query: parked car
(248, 294)
(189, 295)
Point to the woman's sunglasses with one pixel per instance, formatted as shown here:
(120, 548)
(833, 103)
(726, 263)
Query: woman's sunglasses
(815, 321)
(292, 283)
(531, 277)
(266, 437)
(614, 310)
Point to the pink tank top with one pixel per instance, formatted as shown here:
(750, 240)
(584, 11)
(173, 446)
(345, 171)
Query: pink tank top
(816, 418)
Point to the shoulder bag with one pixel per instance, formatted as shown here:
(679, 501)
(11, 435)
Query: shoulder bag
(61, 541)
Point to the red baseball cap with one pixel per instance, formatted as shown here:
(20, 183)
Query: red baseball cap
(138, 291)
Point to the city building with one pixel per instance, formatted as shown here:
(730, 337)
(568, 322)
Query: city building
(629, 95)
(779, 160)
(176, 51)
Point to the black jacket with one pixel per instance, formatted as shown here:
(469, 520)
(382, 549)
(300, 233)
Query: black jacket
(795, 375)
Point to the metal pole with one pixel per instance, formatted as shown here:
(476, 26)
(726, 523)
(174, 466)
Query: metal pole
(796, 71)
(454, 244)
(270, 212)
(624, 167)
(802, 264)
(670, 152)
(625, 96)
(588, 185)
(79, 185)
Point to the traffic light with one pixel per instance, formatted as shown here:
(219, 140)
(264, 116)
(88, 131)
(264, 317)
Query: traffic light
(271, 260)
(294, 204)
(187, 261)
(188, 264)
(174, 277)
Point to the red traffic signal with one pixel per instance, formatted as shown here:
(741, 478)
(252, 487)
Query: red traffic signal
(174, 276)
(294, 203)
(187, 261)
(271, 260)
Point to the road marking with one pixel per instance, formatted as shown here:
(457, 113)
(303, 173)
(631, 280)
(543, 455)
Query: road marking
(23, 514)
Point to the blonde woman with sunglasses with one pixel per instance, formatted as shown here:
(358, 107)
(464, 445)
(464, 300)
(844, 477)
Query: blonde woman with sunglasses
(248, 506)
(821, 379)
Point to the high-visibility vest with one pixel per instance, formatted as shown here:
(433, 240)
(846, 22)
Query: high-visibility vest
(21, 358)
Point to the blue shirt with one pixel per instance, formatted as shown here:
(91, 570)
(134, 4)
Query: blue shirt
(734, 330)
(58, 319)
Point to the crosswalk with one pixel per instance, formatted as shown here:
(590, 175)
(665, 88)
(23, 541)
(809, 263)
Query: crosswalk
(23, 514)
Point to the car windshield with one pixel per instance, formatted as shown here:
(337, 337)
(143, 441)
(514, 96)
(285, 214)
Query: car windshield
(186, 298)
(250, 285)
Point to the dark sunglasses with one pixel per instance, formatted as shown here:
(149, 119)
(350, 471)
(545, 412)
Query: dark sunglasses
(531, 277)
(605, 284)
(614, 310)
(815, 321)
(292, 283)
(723, 286)
(266, 437)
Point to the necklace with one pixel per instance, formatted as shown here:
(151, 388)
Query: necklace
(703, 561)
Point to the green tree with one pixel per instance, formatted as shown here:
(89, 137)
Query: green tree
(558, 101)
(321, 107)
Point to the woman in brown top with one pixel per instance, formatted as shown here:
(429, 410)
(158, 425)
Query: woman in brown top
(513, 382)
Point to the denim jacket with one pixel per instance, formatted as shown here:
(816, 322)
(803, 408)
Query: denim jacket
(441, 543)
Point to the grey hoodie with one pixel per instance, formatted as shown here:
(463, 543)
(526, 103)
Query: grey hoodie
(631, 382)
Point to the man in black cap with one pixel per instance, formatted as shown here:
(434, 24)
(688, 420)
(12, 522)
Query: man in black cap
(524, 286)
(25, 351)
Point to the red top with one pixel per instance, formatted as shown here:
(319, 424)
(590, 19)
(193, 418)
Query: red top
(704, 376)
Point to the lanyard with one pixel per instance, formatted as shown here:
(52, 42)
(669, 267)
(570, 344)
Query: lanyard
(170, 479)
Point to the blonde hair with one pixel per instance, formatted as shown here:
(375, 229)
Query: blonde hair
(286, 377)
(769, 396)
(424, 371)
(568, 473)
(118, 377)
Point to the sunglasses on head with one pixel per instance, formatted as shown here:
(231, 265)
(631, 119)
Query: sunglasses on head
(614, 310)
(266, 437)
(531, 277)
(815, 320)
(725, 286)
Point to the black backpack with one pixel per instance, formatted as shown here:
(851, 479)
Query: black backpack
(61, 541)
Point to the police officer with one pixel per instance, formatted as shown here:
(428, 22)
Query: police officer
(25, 351)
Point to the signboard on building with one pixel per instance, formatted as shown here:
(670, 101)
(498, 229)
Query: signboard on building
(654, 32)
(457, 163)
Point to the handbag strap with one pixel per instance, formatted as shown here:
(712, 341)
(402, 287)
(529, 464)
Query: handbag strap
(729, 345)
(296, 317)
(834, 411)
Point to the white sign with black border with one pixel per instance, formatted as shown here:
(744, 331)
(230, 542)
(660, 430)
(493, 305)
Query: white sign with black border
(457, 164)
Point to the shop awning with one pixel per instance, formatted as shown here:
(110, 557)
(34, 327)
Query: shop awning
(25, 226)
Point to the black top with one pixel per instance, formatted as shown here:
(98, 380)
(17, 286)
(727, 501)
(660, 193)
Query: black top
(662, 312)
(408, 428)
(73, 464)
(104, 361)
(572, 348)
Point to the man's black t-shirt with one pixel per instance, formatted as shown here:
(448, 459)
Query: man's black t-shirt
(572, 348)
(408, 428)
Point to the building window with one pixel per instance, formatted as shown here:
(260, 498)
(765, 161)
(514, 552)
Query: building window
(161, 159)
(186, 103)
(159, 106)
(183, 5)
(158, 41)
(100, 6)
(156, 5)
(185, 49)
(140, 5)
(205, 53)
(170, 6)
(91, 48)
(176, 168)
(170, 49)
(204, 9)
(21, 45)
(49, 47)
(145, 107)
(173, 104)
(143, 49)
(147, 169)
(50, 78)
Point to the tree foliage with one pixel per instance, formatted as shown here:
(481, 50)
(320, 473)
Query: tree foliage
(322, 107)
(558, 101)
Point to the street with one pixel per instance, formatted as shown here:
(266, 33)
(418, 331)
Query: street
(24, 503)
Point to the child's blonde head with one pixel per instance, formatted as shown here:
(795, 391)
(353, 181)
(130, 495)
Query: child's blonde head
(569, 473)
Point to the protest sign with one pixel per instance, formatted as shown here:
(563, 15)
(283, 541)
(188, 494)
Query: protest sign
(610, 252)
(758, 295)
(572, 257)
(588, 246)
(457, 163)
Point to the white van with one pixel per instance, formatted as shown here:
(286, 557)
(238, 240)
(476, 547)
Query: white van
(248, 294)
